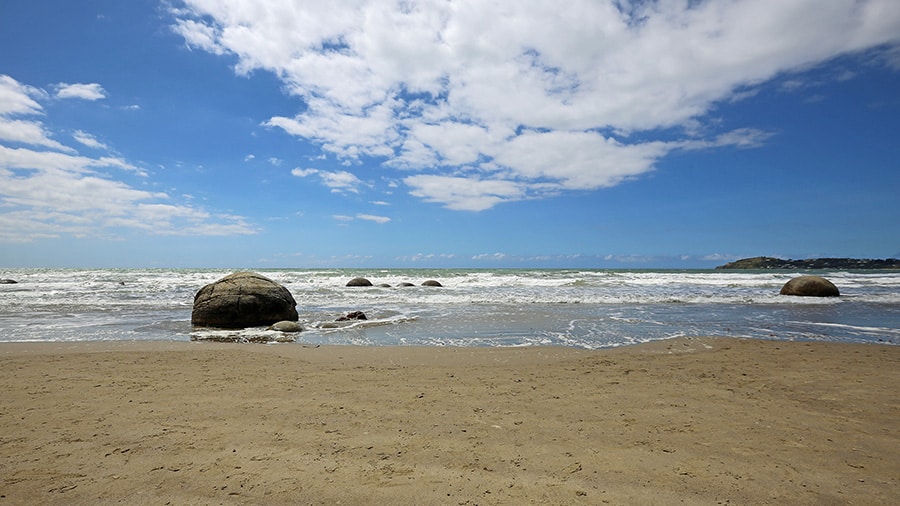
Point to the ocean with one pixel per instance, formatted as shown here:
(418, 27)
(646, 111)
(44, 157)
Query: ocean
(588, 309)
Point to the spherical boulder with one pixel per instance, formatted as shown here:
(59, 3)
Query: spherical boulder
(810, 286)
(241, 300)
(431, 282)
(359, 282)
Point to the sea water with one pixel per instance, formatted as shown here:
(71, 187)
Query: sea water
(504, 307)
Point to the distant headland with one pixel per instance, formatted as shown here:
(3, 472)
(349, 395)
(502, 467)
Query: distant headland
(812, 263)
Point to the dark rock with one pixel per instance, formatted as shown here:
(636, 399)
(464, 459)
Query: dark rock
(431, 282)
(406, 284)
(243, 299)
(810, 286)
(8, 281)
(286, 326)
(359, 282)
(384, 285)
(355, 315)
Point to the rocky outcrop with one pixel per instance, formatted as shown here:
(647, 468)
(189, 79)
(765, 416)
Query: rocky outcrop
(431, 282)
(812, 263)
(241, 300)
(810, 286)
(359, 282)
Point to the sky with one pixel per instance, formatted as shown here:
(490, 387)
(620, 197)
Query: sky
(447, 133)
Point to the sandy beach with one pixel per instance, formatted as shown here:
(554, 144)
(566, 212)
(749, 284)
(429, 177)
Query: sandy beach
(686, 421)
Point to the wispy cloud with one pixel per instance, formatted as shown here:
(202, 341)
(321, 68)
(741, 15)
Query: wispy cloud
(17, 98)
(91, 91)
(491, 256)
(88, 140)
(490, 102)
(339, 181)
(29, 132)
(55, 191)
(364, 217)
(372, 217)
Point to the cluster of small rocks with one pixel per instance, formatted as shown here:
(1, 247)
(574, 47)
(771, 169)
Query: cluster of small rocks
(366, 282)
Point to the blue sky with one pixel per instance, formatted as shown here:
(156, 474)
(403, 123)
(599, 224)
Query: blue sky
(243, 133)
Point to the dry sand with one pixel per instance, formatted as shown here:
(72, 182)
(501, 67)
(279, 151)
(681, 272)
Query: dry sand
(687, 421)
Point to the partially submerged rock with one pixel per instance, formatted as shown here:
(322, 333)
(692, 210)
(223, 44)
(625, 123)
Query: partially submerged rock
(355, 315)
(359, 282)
(8, 281)
(241, 300)
(286, 326)
(431, 282)
(810, 286)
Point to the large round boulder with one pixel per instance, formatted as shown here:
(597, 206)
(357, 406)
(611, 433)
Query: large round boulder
(243, 299)
(359, 282)
(432, 282)
(810, 286)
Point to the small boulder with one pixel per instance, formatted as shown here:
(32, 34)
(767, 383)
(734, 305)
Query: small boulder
(355, 315)
(810, 286)
(431, 282)
(8, 281)
(359, 282)
(406, 284)
(286, 326)
(241, 300)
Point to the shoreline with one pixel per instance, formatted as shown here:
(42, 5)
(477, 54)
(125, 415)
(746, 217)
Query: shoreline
(686, 420)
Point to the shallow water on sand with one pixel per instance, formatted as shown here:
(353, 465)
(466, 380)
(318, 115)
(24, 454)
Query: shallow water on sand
(507, 307)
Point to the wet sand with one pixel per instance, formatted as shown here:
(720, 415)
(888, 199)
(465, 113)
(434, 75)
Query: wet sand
(686, 421)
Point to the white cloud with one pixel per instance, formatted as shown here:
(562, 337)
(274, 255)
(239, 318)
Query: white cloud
(88, 140)
(17, 98)
(372, 217)
(275, 161)
(510, 100)
(304, 172)
(56, 192)
(465, 193)
(338, 181)
(91, 91)
(490, 256)
(29, 132)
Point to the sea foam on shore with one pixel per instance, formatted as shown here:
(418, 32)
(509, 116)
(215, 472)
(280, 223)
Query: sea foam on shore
(505, 307)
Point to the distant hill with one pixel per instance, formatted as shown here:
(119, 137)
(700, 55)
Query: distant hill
(812, 263)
